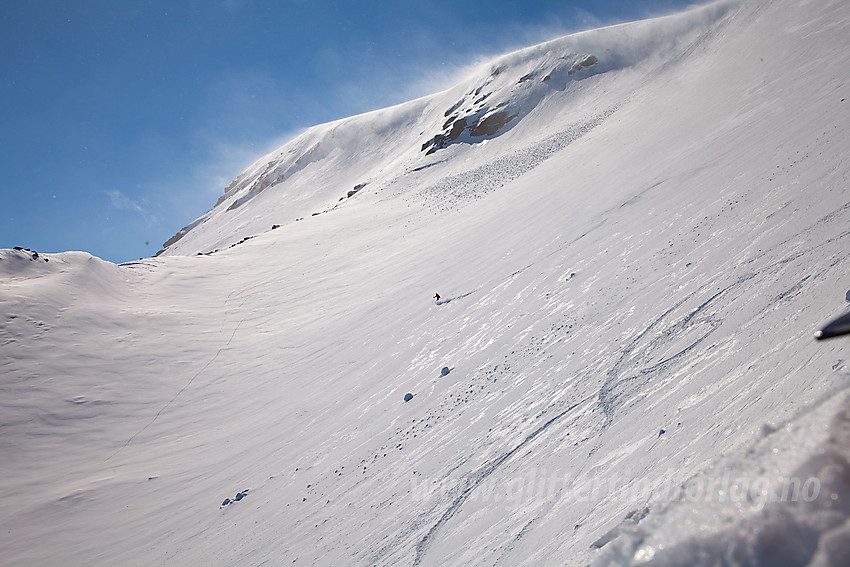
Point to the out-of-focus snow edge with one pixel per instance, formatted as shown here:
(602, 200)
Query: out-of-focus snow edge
(784, 501)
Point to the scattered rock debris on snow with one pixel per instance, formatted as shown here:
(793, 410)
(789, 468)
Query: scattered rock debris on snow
(239, 496)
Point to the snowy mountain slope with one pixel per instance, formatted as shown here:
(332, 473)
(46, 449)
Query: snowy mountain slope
(631, 271)
(550, 93)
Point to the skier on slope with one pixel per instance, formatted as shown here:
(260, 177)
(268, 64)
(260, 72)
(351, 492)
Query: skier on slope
(437, 297)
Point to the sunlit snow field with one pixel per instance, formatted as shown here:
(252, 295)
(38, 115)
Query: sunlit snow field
(631, 269)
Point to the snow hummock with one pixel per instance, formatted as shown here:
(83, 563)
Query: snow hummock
(785, 501)
(630, 270)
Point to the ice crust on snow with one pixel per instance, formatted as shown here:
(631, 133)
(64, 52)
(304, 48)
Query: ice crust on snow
(631, 272)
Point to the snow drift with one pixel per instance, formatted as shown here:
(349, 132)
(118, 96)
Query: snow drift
(633, 256)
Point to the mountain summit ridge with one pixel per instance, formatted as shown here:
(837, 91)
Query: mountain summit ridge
(490, 102)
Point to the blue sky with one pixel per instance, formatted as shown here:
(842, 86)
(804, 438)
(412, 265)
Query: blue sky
(123, 121)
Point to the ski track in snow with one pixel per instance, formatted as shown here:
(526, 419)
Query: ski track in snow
(629, 376)
(193, 377)
(636, 373)
(475, 480)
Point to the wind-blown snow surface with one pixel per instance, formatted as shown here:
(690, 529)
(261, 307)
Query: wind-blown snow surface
(632, 263)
